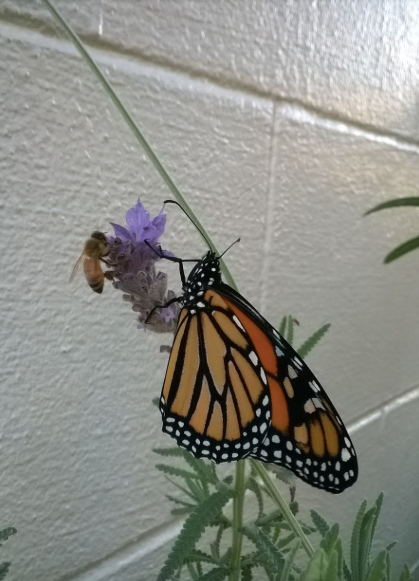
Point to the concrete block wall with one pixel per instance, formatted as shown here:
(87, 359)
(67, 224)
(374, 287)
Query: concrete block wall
(282, 123)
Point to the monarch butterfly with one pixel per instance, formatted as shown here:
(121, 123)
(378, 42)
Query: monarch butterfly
(235, 388)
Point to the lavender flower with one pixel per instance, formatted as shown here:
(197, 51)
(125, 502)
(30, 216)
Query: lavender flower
(133, 269)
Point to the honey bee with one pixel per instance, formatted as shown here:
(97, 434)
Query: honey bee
(95, 249)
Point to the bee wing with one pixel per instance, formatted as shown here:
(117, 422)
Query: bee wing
(76, 267)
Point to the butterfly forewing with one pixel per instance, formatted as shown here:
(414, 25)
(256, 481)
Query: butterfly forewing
(215, 398)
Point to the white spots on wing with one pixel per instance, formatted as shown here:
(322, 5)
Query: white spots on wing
(258, 412)
(289, 445)
(255, 441)
(224, 456)
(345, 454)
(205, 443)
(278, 453)
(246, 445)
(276, 439)
(318, 403)
(169, 428)
(299, 463)
(347, 441)
(263, 427)
(292, 374)
(314, 386)
(298, 362)
(253, 357)
(337, 466)
(170, 420)
(263, 376)
(278, 351)
(265, 400)
(309, 407)
(236, 320)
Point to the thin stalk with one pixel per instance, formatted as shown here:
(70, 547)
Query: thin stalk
(137, 133)
(283, 506)
(238, 503)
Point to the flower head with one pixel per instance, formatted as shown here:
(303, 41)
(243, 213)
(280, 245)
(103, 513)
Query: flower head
(133, 253)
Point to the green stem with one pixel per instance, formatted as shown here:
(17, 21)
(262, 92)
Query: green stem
(137, 134)
(238, 503)
(283, 506)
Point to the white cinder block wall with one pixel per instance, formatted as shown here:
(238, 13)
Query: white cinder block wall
(282, 123)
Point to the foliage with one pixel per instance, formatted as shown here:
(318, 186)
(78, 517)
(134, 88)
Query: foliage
(407, 246)
(4, 535)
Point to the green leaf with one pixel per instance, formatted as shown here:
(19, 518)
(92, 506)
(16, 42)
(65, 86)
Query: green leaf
(405, 576)
(312, 341)
(367, 529)
(201, 517)
(4, 568)
(247, 574)
(318, 567)
(319, 522)
(290, 332)
(396, 203)
(216, 574)
(289, 560)
(283, 325)
(198, 556)
(215, 546)
(404, 248)
(7, 532)
(268, 554)
(253, 485)
(355, 543)
(377, 570)
(173, 471)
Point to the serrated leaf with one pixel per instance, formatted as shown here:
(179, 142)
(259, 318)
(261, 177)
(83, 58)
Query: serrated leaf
(317, 567)
(366, 541)
(216, 574)
(403, 249)
(174, 471)
(378, 506)
(377, 570)
(180, 511)
(319, 522)
(215, 546)
(346, 572)
(290, 330)
(396, 203)
(355, 542)
(4, 568)
(253, 485)
(405, 575)
(195, 524)
(196, 555)
(268, 554)
(289, 559)
(247, 574)
(329, 541)
(312, 341)
(7, 532)
(179, 501)
(283, 325)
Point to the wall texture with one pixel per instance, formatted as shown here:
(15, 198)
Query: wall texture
(282, 123)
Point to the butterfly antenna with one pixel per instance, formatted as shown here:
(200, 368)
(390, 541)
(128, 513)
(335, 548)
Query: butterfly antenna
(185, 212)
(227, 249)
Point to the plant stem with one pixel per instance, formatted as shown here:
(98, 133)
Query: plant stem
(283, 506)
(137, 133)
(238, 503)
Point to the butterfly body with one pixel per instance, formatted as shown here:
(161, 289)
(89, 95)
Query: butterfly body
(235, 388)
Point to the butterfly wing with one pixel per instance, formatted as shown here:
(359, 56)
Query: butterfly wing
(306, 433)
(215, 399)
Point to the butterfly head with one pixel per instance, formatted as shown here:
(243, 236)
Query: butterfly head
(204, 274)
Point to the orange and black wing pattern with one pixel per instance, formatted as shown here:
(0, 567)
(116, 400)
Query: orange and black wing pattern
(235, 388)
